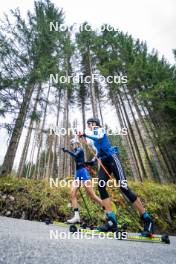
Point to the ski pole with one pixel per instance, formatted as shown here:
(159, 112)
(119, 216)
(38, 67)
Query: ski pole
(85, 205)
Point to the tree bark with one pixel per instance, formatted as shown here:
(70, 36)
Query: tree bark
(54, 168)
(151, 142)
(37, 171)
(92, 87)
(133, 139)
(17, 131)
(28, 138)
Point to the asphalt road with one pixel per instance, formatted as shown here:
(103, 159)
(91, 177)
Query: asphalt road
(26, 242)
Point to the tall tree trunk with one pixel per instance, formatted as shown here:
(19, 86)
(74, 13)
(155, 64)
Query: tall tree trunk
(54, 168)
(83, 115)
(140, 137)
(31, 156)
(151, 142)
(28, 137)
(100, 111)
(64, 139)
(17, 131)
(129, 143)
(164, 155)
(37, 171)
(126, 139)
(92, 87)
(171, 166)
(133, 138)
(47, 171)
(130, 149)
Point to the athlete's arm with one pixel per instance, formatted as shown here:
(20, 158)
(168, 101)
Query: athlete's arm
(97, 134)
(73, 154)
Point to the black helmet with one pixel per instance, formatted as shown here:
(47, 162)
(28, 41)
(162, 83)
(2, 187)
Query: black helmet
(94, 120)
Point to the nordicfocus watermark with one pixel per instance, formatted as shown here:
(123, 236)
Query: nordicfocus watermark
(55, 234)
(80, 79)
(61, 131)
(56, 26)
(111, 183)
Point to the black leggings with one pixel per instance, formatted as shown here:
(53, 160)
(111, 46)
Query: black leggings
(113, 165)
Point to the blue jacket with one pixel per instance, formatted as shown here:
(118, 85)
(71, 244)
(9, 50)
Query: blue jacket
(78, 154)
(101, 143)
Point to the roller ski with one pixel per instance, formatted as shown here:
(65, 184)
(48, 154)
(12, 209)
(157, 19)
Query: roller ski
(121, 234)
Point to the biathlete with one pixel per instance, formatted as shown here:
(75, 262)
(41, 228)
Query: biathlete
(81, 175)
(109, 159)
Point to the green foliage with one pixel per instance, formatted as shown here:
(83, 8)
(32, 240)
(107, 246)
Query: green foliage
(34, 200)
(29, 54)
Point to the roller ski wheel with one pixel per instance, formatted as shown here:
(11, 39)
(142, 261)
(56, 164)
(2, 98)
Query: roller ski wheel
(48, 221)
(83, 225)
(165, 239)
(73, 228)
(92, 227)
(124, 226)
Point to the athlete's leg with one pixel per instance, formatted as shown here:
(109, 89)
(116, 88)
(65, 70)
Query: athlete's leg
(103, 178)
(84, 175)
(73, 196)
(120, 175)
(107, 204)
(91, 193)
(139, 206)
(111, 224)
(73, 193)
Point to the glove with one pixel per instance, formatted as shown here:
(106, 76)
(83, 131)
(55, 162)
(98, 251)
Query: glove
(81, 135)
(64, 149)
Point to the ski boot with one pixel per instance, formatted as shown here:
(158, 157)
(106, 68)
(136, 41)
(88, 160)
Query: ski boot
(148, 224)
(75, 219)
(110, 225)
